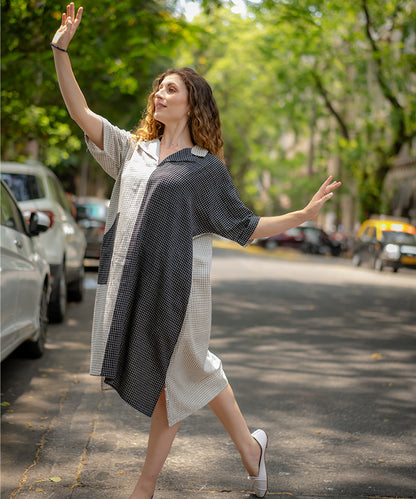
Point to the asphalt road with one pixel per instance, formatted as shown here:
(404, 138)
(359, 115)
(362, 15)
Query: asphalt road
(321, 355)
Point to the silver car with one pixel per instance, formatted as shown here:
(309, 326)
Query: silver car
(35, 187)
(24, 278)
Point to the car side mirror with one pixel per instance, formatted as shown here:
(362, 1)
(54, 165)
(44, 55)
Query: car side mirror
(39, 222)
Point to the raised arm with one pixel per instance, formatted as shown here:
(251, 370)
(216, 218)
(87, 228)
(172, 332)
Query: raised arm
(270, 226)
(74, 99)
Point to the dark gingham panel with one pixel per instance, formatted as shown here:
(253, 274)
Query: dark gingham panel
(107, 252)
(181, 201)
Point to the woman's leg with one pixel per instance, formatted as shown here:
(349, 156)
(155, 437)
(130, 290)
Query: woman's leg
(226, 409)
(161, 437)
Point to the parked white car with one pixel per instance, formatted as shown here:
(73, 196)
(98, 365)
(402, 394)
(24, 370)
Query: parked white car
(35, 187)
(24, 279)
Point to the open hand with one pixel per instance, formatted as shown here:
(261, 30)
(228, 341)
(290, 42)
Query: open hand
(324, 193)
(68, 26)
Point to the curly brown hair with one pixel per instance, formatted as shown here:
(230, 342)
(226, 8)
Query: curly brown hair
(204, 119)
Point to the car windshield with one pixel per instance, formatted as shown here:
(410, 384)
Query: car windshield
(24, 187)
(312, 235)
(390, 236)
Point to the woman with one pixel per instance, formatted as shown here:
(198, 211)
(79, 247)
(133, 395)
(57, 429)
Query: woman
(153, 306)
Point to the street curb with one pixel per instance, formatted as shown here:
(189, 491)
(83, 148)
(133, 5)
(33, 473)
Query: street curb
(283, 253)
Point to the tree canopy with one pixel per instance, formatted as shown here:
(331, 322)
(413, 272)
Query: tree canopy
(309, 85)
(116, 52)
(304, 87)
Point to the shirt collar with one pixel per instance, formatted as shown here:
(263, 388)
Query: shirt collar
(152, 148)
(199, 151)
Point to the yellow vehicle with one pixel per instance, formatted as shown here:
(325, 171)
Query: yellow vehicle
(384, 242)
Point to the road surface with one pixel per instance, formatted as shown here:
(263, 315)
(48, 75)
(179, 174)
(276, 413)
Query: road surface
(320, 354)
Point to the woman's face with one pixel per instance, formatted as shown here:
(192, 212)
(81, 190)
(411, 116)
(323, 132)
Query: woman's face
(171, 100)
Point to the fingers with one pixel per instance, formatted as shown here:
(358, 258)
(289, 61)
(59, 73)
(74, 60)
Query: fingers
(327, 187)
(69, 19)
(79, 16)
(326, 183)
(322, 190)
(333, 186)
(328, 192)
(324, 199)
(70, 12)
(324, 194)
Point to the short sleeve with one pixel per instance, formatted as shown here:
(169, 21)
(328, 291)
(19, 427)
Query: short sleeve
(220, 209)
(117, 146)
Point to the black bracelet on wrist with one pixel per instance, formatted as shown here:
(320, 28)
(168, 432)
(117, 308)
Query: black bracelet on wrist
(59, 48)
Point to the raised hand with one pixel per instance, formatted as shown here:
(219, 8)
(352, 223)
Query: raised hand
(324, 193)
(68, 26)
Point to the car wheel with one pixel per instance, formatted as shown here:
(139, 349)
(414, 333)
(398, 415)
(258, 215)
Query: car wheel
(307, 248)
(378, 264)
(271, 244)
(336, 251)
(324, 250)
(57, 305)
(356, 260)
(76, 288)
(35, 349)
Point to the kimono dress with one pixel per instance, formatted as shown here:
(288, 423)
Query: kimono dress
(152, 315)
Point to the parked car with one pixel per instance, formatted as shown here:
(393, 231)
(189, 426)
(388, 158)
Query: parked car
(37, 188)
(384, 243)
(24, 279)
(318, 242)
(292, 238)
(91, 217)
(306, 238)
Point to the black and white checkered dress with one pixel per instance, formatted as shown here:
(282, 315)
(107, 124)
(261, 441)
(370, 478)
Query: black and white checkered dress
(152, 317)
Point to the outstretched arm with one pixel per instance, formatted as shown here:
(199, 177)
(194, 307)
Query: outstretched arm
(270, 226)
(74, 98)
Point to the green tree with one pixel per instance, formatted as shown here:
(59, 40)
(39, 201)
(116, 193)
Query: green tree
(359, 58)
(116, 53)
(262, 111)
(305, 84)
